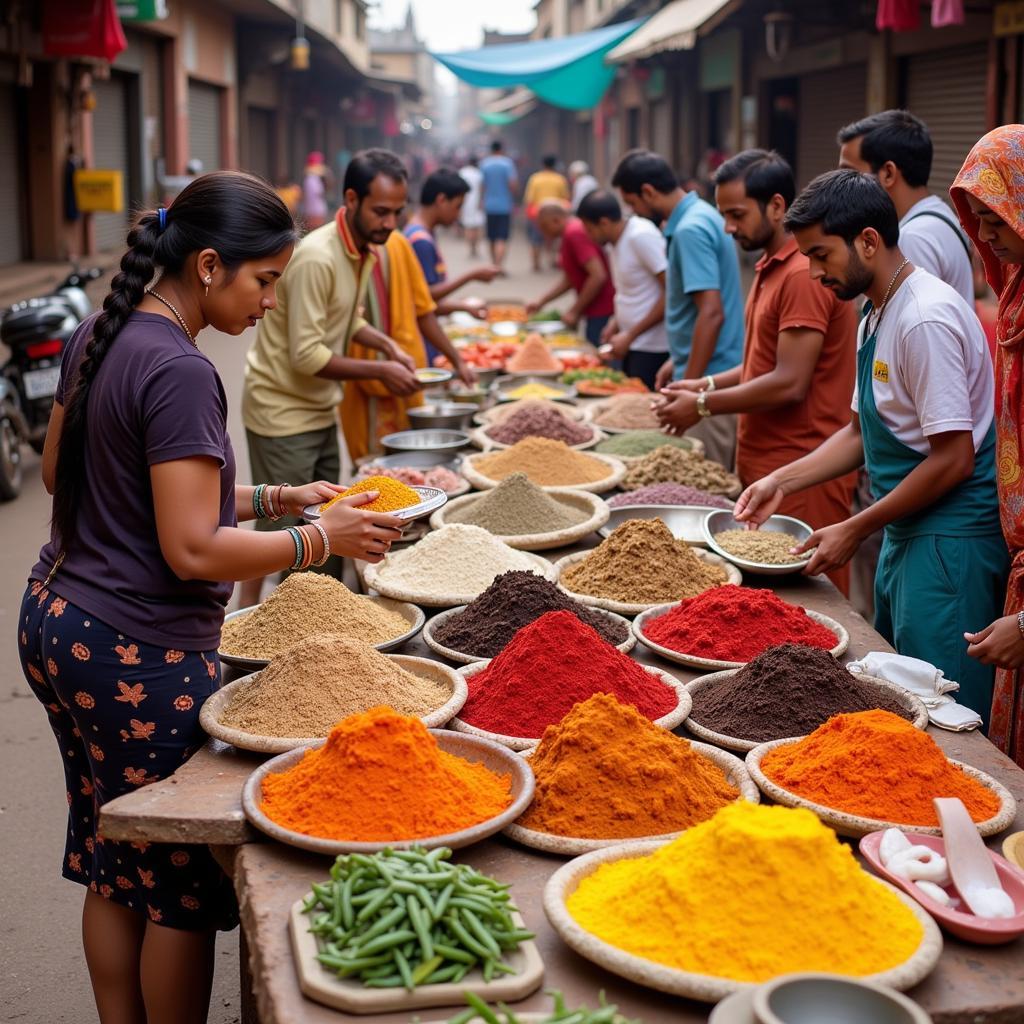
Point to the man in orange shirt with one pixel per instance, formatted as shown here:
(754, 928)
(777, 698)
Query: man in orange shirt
(794, 386)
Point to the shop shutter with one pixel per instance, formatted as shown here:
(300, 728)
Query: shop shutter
(946, 89)
(204, 133)
(10, 185)
(110, 142)
(261, 143)
(827, 101)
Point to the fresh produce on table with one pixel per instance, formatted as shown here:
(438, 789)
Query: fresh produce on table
(402, 918)
(482, 355)
(506, 311)
(579, 361)
(479, 1011)
(601, 381)
(546, 315)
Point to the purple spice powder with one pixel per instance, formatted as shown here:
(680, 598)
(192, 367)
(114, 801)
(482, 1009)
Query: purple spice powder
(534, 421)
(669, 494)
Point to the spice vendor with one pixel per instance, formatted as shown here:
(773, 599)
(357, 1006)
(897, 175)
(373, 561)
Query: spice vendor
(922, 424)
(301, 352)
(120, 625)
(793, 388)
(989, 199)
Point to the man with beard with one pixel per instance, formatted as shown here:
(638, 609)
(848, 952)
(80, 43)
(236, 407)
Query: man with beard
(922, 424)
(296, 364)
(793, 388)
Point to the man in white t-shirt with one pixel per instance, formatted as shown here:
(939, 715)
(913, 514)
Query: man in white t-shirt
(896, 148)
(582, 182)
(636, 332)
(471, 216)
(923, 425)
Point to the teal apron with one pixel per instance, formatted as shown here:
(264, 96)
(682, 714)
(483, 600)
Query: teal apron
(941, 571)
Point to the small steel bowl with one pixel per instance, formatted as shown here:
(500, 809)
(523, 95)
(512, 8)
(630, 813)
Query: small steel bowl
(443, 415)
(719, 520)
(446, 441)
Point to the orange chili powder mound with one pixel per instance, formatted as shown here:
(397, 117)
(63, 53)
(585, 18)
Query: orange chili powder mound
(876, 765)
(393, 495)
(381, 777)
(533, 354)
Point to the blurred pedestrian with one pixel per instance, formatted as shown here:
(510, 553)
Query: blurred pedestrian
(500, 184)
(314, 191)
(582, 182)
(544, 184)
(472, 217)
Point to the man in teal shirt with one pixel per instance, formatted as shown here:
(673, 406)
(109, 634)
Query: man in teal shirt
(703, 307)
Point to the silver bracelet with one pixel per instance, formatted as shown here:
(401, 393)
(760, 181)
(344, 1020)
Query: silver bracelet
(710, 382)
(327, 544)
(1020, 621)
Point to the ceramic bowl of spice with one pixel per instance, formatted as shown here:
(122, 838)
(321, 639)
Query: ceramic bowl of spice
(727, 626)
(668, 464)
(551, 664)
(605, 774)
(639, 566)
(751, 894)
(548, 464)
(788, 689)
(403, 785)
(449, 567)
(873, 770)
(527, 517)
(481, 630)
(305, 605)
(306, 690)
(766, 550)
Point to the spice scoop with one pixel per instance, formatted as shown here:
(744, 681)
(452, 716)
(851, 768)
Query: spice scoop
(970, 865)
(431, 499)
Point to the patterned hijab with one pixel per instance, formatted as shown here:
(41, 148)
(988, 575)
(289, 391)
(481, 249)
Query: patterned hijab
(994, 173)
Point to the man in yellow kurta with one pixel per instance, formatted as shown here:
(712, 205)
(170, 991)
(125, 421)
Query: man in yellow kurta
(398, 303)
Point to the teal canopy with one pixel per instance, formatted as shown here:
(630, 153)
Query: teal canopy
(567, 72)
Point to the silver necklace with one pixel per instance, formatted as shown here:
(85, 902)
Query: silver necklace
(181, 320)
(885, 298)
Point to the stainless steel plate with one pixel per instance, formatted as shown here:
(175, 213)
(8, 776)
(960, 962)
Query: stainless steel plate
(721, 519)
(686, 522)
(432, 498)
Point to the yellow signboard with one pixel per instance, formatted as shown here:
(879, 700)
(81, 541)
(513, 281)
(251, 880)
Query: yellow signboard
(99, 191)
(1009, 19)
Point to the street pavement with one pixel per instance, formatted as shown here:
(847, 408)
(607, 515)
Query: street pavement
(44, 975)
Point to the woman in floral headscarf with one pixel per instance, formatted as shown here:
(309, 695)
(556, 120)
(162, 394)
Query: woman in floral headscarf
(988, 194)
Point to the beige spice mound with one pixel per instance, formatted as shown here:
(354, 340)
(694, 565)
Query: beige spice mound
(309, 604)
(669, 464)
(308, 689)
(628, 411)
(642, 563)
(547, 463)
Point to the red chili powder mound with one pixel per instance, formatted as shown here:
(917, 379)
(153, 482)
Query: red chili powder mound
(550, 665)
(733, 623)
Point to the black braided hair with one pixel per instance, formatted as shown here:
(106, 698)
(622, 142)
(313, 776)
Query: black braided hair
(238, 215)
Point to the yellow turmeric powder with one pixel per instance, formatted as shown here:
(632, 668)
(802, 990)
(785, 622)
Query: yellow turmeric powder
(753, 893)
(393, 495)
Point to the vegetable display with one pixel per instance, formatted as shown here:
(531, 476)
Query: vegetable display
(402, 918)
(478, 1010)
(602, 381)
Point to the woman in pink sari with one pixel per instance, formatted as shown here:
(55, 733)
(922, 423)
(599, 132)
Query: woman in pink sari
(988, 194)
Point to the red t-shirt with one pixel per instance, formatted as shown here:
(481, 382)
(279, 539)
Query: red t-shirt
(576, 250)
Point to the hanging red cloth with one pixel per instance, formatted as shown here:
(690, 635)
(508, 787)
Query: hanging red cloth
(898, 15)
(82, 28)
(947, 12)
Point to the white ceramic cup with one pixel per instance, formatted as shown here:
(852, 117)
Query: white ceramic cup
(813, 998)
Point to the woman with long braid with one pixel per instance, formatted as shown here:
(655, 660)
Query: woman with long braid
(120, 625)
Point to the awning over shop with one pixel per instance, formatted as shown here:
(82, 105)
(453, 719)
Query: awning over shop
(675, 27)
(568, 72)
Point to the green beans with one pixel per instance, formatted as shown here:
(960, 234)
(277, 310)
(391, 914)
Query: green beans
(606, 1013)
(402, 918)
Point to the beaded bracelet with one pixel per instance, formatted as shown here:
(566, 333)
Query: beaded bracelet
(257, 501)
(296, 535)
(327, 544)
(268, 503)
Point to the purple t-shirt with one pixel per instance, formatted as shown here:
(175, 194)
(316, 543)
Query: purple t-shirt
(156, 398)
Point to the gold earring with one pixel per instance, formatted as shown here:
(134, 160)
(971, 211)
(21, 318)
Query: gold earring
(208, 280)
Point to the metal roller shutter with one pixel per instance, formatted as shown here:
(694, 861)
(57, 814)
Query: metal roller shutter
(204, 124)
(261, 143)
(946, 89)
(10, 184)
(110, 152)
(827, 101)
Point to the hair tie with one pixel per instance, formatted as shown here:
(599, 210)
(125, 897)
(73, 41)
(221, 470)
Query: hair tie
(162, 215)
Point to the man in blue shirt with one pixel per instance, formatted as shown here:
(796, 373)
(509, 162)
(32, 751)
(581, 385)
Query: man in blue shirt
(499, 187)
(703, 306)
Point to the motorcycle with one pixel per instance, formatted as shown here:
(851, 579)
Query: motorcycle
(35, 331)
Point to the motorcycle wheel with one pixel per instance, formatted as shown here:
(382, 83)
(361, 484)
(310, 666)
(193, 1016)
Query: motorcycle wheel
(11, 470)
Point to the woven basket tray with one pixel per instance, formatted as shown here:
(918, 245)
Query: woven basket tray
(596, 508)
(616, 471)
(481, 439)
(732, 575)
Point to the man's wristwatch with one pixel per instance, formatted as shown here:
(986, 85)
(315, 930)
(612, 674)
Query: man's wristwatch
(709, 383)
(702, 405)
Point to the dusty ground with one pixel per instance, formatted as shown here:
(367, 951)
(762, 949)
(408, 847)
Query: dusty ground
(44, 975)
